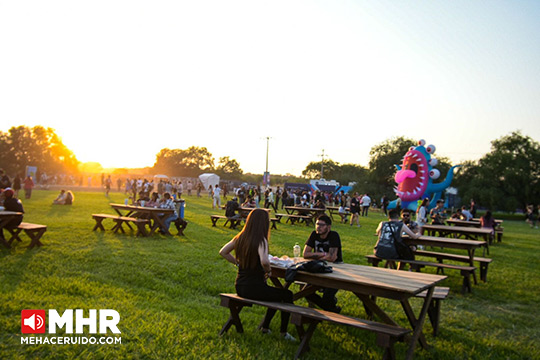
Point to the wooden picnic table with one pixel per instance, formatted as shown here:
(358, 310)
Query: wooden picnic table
(5, 218)
(470, 223)
(469, 232)
(368, 282)
(158, 215)
(469, 245)
(304, 210)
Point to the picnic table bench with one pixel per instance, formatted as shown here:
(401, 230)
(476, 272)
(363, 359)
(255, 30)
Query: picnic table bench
(34, 232)
(417, 265)
(235, 221)
(335, 210)
(484, 262)
(119, 220)
(387, 335)
(307, 219)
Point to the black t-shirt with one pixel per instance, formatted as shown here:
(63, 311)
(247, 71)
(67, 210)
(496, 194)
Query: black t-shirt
(324, 245)
(355, 205)
(231, 207)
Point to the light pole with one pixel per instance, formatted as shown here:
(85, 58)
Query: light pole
(265, 177)
(322, 164)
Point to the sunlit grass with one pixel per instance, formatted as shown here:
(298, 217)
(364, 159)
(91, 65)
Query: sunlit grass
(166, 291)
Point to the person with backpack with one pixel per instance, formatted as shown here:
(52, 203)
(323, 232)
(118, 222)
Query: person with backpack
(390, 245)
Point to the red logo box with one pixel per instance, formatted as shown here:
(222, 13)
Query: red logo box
(33, 321)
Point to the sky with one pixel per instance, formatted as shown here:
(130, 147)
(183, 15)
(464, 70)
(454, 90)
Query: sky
(121, 80)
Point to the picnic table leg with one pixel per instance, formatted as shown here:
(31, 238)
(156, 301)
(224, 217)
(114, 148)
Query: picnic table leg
(14, 235)
(99, 224)
(234, 319)
(414, 322)
(158, 223)
(35, 235)
(304, 344)
(127, 215)
(471, 262)
(419, 323)
(375, 309)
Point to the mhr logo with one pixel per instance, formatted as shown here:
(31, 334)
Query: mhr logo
(33, 321)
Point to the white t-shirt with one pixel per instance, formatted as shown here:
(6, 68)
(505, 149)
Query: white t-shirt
(366, 200)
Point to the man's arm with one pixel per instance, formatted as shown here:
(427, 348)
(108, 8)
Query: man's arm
(310, 254)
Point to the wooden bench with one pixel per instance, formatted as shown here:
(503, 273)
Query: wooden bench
(417, 265)
(119, 220)
(34, 232)
(434, 310)
(387, 335)
(484, 262)
(232, 221)
(499, 233)
(308, 219)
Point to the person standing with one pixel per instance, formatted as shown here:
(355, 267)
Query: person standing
(324, 244)
(354, 209)
(217, 197)
(422, 212)
(17, 185)
(108, 183)
(28, 186)
(251, 257)
(4, 180)
(366, 202)
(189, 187)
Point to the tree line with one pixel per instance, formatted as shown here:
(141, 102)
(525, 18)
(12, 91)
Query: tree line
(506, 178)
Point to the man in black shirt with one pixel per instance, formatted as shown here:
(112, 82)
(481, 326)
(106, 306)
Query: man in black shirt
(11, 204)
(324, 244)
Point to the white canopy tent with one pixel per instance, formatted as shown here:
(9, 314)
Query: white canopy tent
(208, 179)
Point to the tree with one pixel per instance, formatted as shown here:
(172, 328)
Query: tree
(38, 146)
(507, 178)
(190, 162)
(228, 168)
(313, 170)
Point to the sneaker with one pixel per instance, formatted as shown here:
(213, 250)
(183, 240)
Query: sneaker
(265, 331)
(289, 337)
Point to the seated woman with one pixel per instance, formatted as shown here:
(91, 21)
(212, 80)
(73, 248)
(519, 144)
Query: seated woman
(249, 203)
(251, 257)
(61, 198)
(487, 221)
(154, 200)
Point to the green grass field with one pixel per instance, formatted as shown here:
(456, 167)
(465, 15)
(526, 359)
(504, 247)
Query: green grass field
(166, 290)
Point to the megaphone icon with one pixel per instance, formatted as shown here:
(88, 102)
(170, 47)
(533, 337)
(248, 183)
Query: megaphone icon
(34, 321)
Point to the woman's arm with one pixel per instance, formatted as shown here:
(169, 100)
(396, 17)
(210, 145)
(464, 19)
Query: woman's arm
(226, 252)
(263, 256)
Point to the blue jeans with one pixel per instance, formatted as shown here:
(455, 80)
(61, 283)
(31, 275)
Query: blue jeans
(169, 220)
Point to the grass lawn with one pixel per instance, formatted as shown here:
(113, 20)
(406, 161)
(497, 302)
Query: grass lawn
(166, 290)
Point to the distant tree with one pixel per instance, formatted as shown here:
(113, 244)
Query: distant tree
(313, 170)
(38, 146)
(506, 178)
(190, 162)
(228, 168)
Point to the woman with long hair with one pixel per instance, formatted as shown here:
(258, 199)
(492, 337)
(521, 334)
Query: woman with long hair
(251, 258)
(421, 213)
(487, 221)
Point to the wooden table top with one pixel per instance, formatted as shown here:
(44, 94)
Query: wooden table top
(444, 242)
(369, 280)
(10, 213)
(473, 223)
(140, 208)
(457, 229)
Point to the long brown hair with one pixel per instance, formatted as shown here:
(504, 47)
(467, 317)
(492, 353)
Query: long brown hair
(256, 229)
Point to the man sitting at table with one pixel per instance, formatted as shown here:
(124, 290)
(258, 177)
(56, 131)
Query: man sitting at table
(466, 214)
(11, 204)
(324, 244)
(168, 203)
(407, 220)
(231, 207)
(437, 214)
